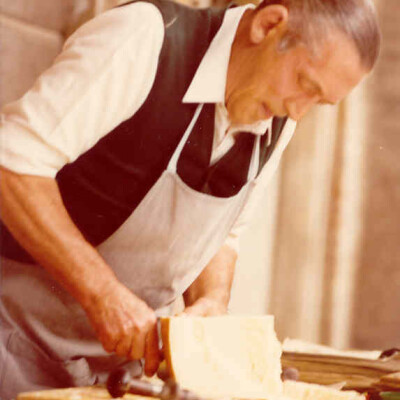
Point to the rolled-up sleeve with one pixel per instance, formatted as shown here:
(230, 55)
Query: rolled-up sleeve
(101, 78)
(259, 189)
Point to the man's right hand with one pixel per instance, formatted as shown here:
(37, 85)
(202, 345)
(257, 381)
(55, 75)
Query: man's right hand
(124, 324)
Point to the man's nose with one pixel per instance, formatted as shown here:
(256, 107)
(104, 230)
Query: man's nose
(298, 107)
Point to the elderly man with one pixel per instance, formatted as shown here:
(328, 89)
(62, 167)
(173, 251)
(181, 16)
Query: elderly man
(131, 166)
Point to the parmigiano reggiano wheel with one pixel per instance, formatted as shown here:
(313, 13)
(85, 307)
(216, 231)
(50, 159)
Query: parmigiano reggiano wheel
(228, 356)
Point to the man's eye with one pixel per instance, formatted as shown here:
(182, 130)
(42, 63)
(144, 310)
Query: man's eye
(325, 103)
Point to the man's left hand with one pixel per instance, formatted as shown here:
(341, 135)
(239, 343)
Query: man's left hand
(205, 307)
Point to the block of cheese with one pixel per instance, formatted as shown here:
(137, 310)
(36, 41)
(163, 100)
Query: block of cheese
(308, 391)
(228, 356)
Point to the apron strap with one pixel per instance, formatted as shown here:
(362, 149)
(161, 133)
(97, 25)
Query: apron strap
(175, 157)
(255, 157)
(255, 160)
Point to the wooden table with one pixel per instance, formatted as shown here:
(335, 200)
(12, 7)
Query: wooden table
(84, 393)
(356, 374)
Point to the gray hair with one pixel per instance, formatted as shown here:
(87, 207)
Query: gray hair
(309, 20)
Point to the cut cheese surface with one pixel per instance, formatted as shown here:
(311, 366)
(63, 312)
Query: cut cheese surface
(229, 356)
(308, 391)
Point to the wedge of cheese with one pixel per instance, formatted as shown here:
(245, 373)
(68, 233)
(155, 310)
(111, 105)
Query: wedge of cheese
(229, 356)
(308, 391)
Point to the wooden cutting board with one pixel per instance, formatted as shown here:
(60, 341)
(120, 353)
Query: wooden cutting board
(84, 393)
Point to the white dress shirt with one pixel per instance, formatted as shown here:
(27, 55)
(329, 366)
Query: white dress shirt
(101, 78)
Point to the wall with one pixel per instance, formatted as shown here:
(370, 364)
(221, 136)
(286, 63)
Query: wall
(32, 33)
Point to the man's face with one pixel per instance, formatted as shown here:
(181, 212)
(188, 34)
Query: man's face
(290, 82)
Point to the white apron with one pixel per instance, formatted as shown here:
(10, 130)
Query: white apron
(174, 232)
(157, 253)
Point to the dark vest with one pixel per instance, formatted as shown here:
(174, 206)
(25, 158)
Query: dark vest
(105, 184)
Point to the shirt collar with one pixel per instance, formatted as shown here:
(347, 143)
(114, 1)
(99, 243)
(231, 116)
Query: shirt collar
(208, 84)
(257, 128)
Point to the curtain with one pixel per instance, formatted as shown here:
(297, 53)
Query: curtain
(333, 268)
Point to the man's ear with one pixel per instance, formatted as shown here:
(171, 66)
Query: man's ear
(266, 20)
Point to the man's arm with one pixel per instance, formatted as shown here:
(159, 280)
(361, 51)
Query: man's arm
(209, 294)
(33, 211)
(72, 105)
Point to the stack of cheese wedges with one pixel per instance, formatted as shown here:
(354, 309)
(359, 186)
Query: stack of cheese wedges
(234, 357)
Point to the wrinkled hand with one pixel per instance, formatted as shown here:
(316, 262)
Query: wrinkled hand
(205, 307)
(124, 324)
